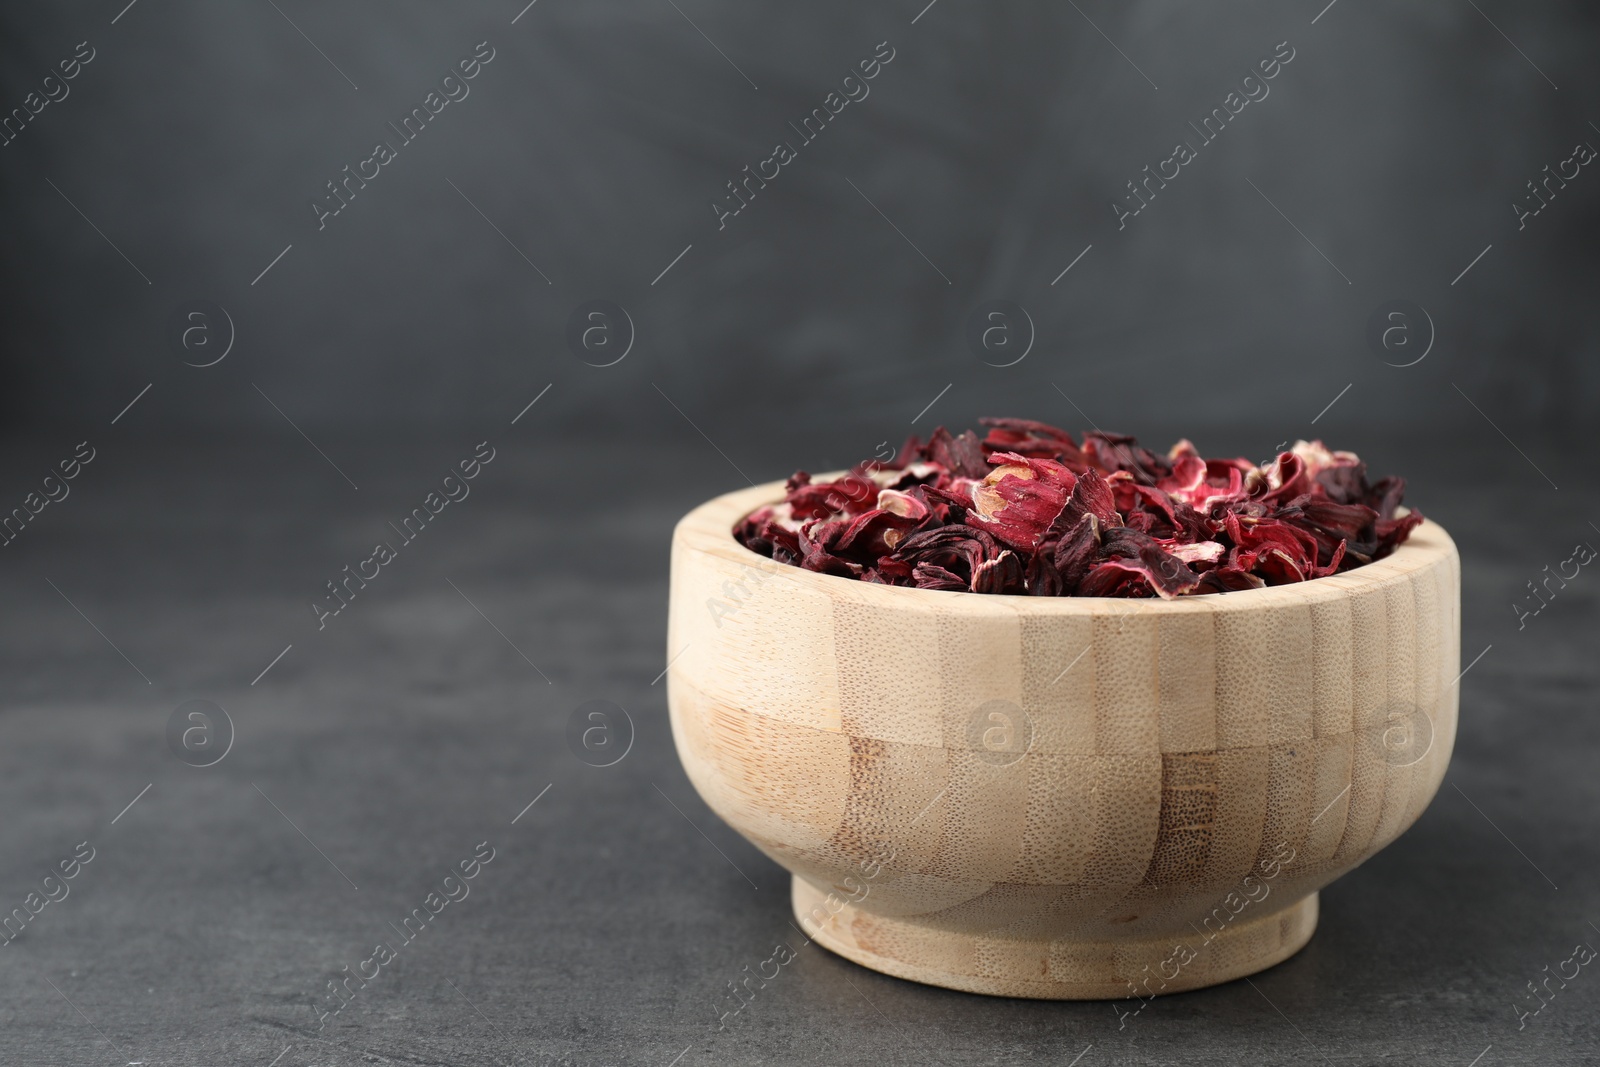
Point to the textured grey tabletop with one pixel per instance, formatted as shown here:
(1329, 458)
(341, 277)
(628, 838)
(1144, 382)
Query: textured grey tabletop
(380, 751)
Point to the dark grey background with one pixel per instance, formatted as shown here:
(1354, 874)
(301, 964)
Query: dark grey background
(1396, 141)
(423, 718)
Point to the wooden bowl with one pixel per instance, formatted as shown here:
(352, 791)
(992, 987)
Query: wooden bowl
(1060, 797)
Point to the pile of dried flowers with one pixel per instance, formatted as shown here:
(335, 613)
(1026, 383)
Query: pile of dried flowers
(1027, 509)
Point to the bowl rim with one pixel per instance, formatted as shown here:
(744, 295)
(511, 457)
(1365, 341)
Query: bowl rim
(708, 528)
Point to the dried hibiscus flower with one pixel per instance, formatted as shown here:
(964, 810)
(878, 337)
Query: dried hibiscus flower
(1028, 510)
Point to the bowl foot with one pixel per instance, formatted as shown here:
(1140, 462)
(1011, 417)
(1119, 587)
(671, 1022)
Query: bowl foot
(1057, 970)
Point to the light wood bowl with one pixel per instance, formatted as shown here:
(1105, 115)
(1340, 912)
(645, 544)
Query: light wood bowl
(1060, 797)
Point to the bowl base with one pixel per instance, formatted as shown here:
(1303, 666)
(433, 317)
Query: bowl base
(1124, 968)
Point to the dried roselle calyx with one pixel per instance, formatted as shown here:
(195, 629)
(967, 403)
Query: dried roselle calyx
(961, 456)
(1027, 510)
(849, 495)
(1333, 525)
(1197, 553)
(1020, 498)
(957, 549)
(875, 533)
(908, 505)
(1041, 577)
(1076, 553)
(1228, 579)
(1139, 553)
(1003, 574)
(933, 576)
(769, 531)
(817, 543)
(1119, 452)
(1028, 438)
(1092, 495)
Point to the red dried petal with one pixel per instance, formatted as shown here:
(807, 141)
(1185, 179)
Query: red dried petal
(1091, 496)
(1391, 532)
(1276, 550)
(961, 456)
(909, 505)
(1113, 579)
(1385, 495)
(1142, 555)
(958, 549)
(763, 531)
(850, 495)
(1003, 574)
(1041, 577)
(933, 576)
(1228, 579)
(1224, 484)
(894, 571)
(1333, 563)
(1188, 476)
(1076, 552)
(873, 534)
(1020, 498)
(956, 492)
(1197, 552)
(1332, 525)
(1038, 440)
(1280, 481)
(825, 562)
(1118, 452)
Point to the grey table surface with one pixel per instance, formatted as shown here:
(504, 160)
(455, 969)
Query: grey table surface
(379, 751)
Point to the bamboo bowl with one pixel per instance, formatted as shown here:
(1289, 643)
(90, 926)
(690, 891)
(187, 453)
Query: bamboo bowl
(1062, 798)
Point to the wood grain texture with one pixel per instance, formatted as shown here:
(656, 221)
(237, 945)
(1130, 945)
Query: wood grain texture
(1045, 797)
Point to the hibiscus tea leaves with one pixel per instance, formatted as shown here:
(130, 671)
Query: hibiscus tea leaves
(1028, 509)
